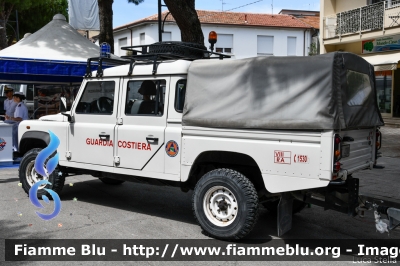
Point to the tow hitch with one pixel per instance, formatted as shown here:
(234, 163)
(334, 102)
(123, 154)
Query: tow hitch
(381, 207)
(344, 197)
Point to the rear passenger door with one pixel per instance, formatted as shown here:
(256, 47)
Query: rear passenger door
(141, 126)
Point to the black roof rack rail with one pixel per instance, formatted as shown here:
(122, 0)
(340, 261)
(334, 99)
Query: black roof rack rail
(175, 50)
(100, 60)
(155, 59)
(155, 54)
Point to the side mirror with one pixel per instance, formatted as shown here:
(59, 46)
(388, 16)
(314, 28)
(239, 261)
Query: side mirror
(70, 118)
(63, 104)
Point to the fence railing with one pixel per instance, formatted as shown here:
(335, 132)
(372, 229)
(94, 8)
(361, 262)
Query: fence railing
(378, 16)
(392, 4)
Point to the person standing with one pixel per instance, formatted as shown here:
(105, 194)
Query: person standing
(20, 114)
(9, 103)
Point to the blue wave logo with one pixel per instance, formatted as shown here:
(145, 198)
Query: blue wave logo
(35, 201)
(45, 170)
(46, 153)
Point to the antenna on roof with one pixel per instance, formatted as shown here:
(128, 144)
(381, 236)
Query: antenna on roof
(272, 6)
(222, 4)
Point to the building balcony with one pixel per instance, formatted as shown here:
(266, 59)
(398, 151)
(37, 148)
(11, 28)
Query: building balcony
(366, 22)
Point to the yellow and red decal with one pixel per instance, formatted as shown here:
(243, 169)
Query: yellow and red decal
(172, 148)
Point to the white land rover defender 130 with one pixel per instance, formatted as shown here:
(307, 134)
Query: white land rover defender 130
(275, 131)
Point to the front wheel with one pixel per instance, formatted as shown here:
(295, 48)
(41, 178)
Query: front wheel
(28, 175)
(225, 204)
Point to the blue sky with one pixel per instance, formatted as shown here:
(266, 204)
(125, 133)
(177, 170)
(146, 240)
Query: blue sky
(125, 13)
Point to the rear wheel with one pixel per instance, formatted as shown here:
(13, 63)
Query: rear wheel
(225, 204)
(28, 175)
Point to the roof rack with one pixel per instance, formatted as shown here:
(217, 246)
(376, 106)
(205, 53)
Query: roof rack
(155, 54)
(100, 60)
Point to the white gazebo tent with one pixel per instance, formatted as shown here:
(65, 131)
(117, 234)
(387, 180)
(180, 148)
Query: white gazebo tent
(56, 53)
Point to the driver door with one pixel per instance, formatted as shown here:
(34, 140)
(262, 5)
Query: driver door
(92, 135)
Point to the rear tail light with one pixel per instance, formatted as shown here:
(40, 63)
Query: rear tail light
(336, 166)
(337, 155)
(337, 148)
(378, 139)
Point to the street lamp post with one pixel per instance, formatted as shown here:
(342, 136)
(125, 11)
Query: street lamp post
(160, 26)
(16, 20)
(16, 34)
(12, 29)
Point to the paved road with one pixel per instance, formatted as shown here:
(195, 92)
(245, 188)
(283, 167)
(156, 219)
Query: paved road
(138, 211)
(391, 142)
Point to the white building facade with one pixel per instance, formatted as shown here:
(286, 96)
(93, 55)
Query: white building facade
(248, 35)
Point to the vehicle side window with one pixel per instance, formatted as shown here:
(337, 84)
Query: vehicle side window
(145, 97)
(180, 93)
(359, 88)
(97, 98)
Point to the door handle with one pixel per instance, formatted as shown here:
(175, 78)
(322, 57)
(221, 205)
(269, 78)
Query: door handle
(152, 140)
(104, 136)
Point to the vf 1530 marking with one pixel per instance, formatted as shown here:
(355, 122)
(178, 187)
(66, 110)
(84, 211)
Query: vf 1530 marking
(282, 157)
(300, 158)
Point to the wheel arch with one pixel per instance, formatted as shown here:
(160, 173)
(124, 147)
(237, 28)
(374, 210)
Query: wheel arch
(33, 139)
(210, 160)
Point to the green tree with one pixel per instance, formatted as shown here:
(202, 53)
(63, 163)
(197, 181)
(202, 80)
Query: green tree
(186, 18)
(313, 49)
(182, 10)
(136, 2)
(32, 15)
(6, 8)
(106, 22)
(30, 21)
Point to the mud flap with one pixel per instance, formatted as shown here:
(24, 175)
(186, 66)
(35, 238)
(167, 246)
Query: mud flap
(285, 214)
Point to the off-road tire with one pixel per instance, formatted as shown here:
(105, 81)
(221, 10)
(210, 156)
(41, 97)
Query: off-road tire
(272, 206)
(111, 181)
(26, 169)
(172, 49)
(239, 191)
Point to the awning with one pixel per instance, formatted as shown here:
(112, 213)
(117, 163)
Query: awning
(384, 61)
(31, 70)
